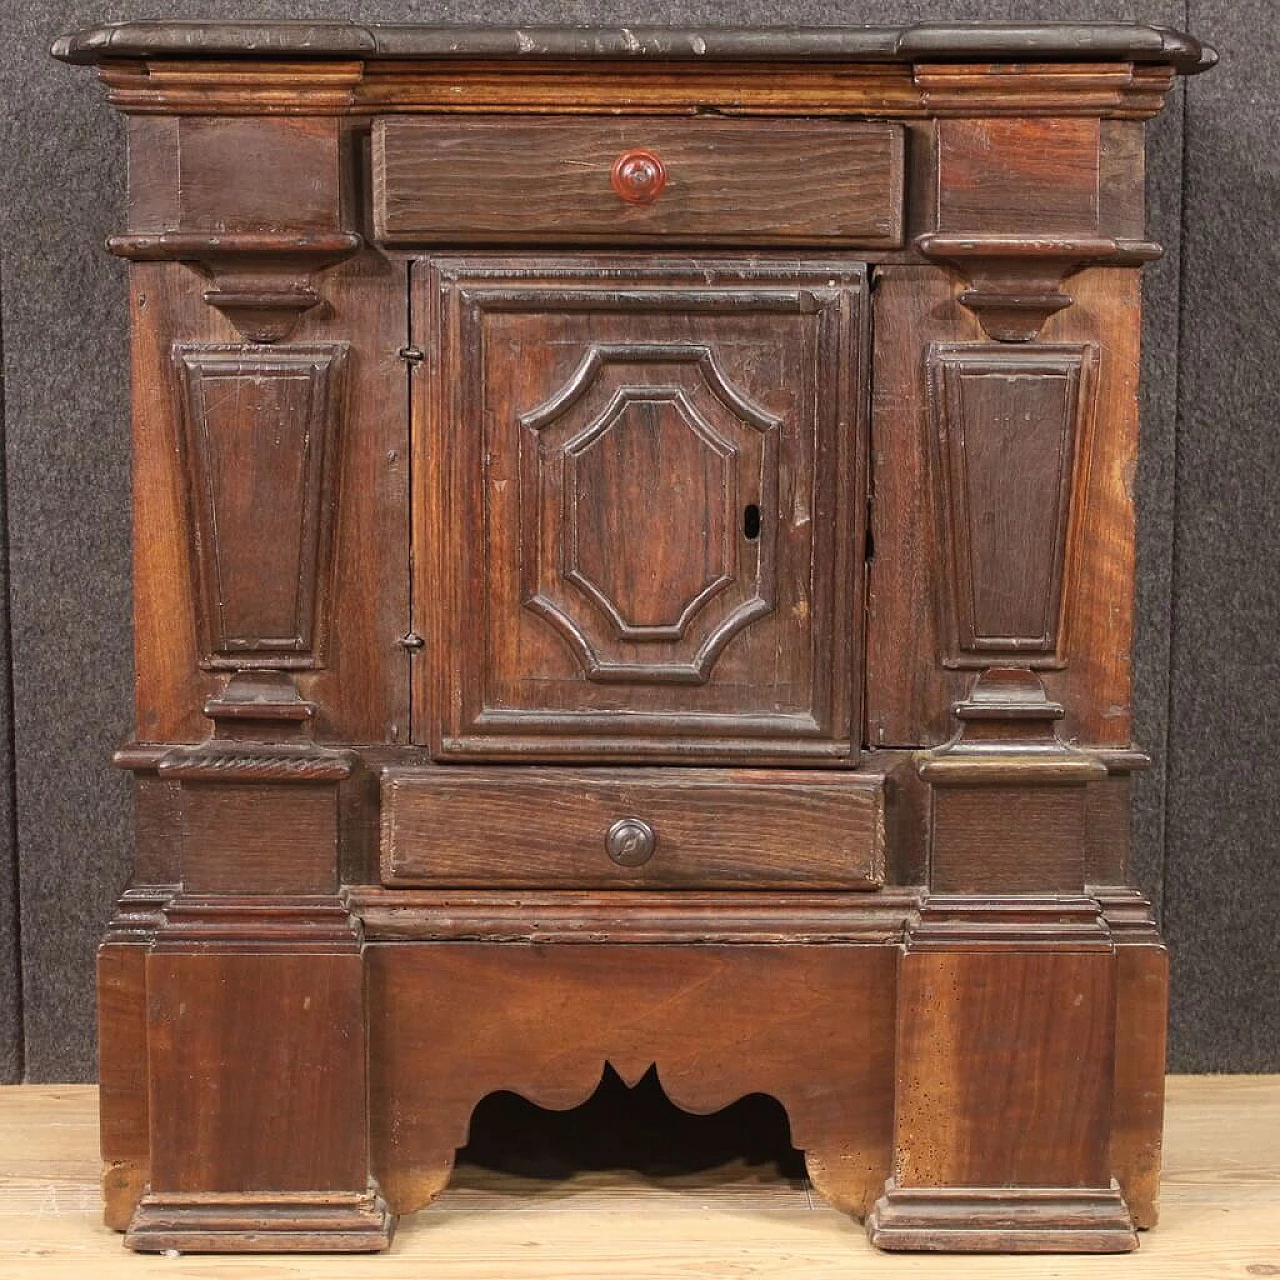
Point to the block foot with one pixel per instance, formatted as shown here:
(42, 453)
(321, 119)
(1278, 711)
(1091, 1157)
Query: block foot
(1002, 1220)
(294, 1222)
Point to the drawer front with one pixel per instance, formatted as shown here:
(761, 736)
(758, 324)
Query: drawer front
(588, 828)
(591, 180)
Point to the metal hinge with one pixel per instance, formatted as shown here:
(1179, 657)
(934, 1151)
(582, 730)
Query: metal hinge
(412, 641)
(414, 355)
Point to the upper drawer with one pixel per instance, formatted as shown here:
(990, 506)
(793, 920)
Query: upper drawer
(568, 180)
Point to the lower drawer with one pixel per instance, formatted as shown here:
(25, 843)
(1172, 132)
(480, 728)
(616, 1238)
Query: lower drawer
(584, 828)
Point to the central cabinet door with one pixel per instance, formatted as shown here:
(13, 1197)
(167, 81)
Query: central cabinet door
(639, 506)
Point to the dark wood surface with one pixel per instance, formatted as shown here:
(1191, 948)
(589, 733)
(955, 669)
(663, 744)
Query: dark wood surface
(361, 690)
(909, 690)
(548, 181)
(502, 453)
(544, 1021)
(1104, 40)
(593, 432)
(548, 828)
(1012, 431)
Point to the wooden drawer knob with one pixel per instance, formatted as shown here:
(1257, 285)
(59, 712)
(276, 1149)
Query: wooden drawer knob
(630, 842)
(638, 176)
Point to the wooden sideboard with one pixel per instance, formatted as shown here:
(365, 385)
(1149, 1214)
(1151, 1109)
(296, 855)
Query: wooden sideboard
(634, 548)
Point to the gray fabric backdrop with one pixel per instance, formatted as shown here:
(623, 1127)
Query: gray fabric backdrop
(1207, 695)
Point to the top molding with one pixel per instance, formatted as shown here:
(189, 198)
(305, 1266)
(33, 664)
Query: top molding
(926, 42)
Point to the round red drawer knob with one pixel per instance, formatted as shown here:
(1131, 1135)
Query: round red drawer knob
(630, 842)
(638, 176)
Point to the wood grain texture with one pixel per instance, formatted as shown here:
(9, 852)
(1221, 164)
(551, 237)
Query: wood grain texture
(1108, 835)
(299, 1222)
(658, 917)
(547, 828)
(1054, 91)
(157, 828)
(253, 173)
(500, 75)
(764, 667)
(262, 1092)
(1038, 176)
(259, 837)
(543, 1021)
(652, 581)
(1142, 1002)
(1027, 1037)
(1007, 839)
(362, 691)
(610, 509)
(548, 181)
(122, 1051)
(123, 1030)
(910, 692)
(1002, 1220)
(1009, 797)
(1012, 426)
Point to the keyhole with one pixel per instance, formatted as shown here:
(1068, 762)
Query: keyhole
(751, 522)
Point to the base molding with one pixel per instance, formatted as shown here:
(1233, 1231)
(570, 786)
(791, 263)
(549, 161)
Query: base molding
(1002, 1220)
(261, 1222)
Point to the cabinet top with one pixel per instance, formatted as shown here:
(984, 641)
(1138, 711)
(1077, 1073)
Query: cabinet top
(925, 42)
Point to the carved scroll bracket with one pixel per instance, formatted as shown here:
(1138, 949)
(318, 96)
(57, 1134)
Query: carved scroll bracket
(1016, 283)
(262, 282)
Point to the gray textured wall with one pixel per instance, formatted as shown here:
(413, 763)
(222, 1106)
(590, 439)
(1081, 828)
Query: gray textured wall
(1206, 689)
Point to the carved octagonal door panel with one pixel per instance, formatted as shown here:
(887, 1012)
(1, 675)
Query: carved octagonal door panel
(639, 503)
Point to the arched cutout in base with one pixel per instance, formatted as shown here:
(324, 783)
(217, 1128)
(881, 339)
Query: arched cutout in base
(628, 1126)
(812, 1027)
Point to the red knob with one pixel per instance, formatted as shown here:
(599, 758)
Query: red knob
(638, 176)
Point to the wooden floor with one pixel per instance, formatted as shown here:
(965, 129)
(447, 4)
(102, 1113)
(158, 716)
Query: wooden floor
(1221, 1205)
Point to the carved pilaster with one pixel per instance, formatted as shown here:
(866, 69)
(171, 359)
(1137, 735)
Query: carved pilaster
(1012, 428)
(1003, 1220)
(261, 914)
(259, 442)
(980, 974)
(1008, 796)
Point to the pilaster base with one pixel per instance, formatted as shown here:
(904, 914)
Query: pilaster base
(1002, 1220)
(297, 1222)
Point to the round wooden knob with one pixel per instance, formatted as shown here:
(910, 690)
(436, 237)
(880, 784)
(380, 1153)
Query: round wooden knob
(638, 176)
(631, 842)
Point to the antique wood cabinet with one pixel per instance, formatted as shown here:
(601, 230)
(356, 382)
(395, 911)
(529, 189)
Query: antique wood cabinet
(634, 565)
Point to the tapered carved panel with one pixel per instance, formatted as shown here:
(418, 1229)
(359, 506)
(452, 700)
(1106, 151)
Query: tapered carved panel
(259, 439)
(1012, 427)
(641, 508)
(638, 483)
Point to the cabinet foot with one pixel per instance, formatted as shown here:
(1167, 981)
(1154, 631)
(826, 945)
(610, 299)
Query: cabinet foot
(297, 1222)
(1002, 1220)
(844, 1175)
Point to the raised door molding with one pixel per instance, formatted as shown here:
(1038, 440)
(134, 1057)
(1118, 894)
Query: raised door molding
(1011, 427)
(621, 477)
(258, 440)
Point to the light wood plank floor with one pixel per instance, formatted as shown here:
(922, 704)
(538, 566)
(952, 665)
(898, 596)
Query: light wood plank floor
(1221, 1205)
